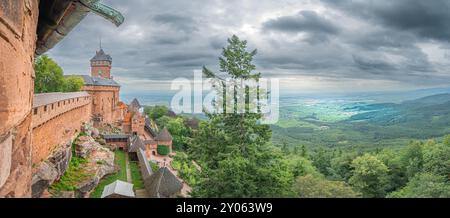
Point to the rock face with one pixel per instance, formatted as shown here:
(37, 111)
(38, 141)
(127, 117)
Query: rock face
(51, 170)
(84, 146)
(100, 163)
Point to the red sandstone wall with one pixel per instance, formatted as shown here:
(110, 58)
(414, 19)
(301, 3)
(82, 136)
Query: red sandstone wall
(106, 71)
(57, 126)
(105, 101)
(18, 23)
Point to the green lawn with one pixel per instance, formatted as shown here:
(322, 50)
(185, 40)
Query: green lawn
(120, 161)
(136, 176)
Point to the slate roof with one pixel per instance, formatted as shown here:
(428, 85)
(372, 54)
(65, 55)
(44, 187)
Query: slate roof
(148, 127)
(118, 188)
(118, 136)
(136, 144)
(48, 98)
(135, 104)
(163, 184)
(101, 56)
(164, 135)
(146, 169)
(98, 81)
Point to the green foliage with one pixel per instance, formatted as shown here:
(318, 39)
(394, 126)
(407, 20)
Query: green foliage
(156, 112)
(397, 173)
(436, 159)
(322, 160)
(73, 84)
(154, 166)
(233, 149)
(180, 133)
(341, 166)
(136, 177)
(75, 174)
(300, 166)
(163, 150)
(447, 140)
(186, 169)
(310, 186)
(369, 176)
(425, 185)
(50, 77)
(413, 159)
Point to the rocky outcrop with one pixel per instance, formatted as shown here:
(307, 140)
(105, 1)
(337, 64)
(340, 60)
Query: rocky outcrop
(84, 145)
(44, 176)
(100, 163)
(51, 170)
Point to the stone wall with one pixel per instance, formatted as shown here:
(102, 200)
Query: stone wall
(106, 71)
(18, 23)
(105, 102)
(59, 129)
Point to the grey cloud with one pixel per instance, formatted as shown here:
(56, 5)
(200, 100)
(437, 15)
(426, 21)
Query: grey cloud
(304, 21)
(429, 19)
(162, 40)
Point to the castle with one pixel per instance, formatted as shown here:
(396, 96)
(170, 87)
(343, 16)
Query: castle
(32, 126)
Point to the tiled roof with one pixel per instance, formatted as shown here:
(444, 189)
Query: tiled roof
(164, 135)
(118, 188)
(163, 184)
(98, 81)
(48, 98)
(101, 56)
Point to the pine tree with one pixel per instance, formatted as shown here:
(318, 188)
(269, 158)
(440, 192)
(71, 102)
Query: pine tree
(233, 148)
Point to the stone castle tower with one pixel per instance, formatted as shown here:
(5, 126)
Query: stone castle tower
(101, 65)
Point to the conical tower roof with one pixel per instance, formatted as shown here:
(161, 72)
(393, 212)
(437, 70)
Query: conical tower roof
(164, 135)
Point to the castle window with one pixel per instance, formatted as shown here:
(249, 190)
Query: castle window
(35, 111)
(59, 104)
(45, 108)
(53, 106)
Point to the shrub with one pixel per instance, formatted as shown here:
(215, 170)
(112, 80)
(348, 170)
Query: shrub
(163, 150)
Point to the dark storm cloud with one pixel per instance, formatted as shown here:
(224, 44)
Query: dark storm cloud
(304, 21)
(429, 19)
(339, 39)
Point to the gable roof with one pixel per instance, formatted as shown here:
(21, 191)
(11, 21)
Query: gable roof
(136, 144)
(98, 81)
(164, 135)
(163, 184)
(118, 188)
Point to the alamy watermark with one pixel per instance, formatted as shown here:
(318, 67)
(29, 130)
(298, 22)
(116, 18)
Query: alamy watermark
(227, 96)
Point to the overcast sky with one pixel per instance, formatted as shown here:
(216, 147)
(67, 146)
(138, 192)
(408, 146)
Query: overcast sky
(310, 45)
